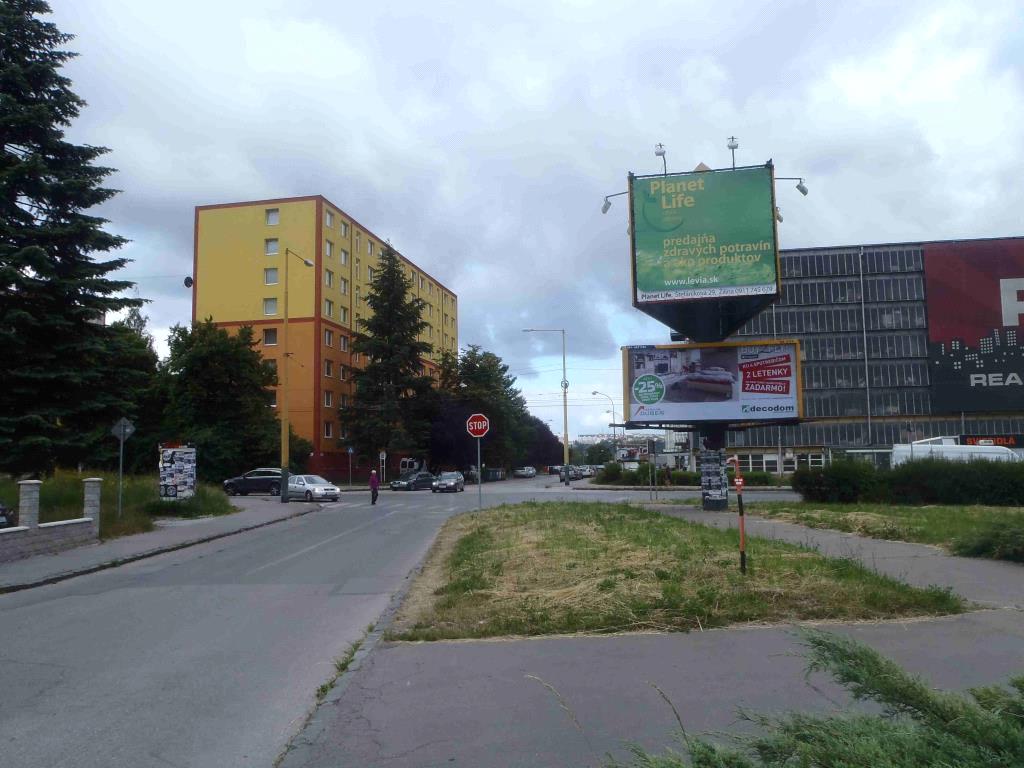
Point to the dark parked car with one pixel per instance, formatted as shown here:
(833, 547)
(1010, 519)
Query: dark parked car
(449, 481)
(6, 516)
(262, 480)
(413, 481)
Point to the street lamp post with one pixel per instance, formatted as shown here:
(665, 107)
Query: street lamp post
(565, 398)
(282, 405)
(615, 435)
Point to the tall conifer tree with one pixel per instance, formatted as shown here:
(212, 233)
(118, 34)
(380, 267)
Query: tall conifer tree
(394, 404)
(54, 294)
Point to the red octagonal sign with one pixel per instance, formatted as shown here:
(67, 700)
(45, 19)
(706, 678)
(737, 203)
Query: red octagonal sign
(478, 425)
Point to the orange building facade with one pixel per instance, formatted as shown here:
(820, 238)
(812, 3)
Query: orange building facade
(239, 274)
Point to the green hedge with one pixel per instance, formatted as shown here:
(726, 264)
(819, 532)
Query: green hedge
(614, 474)
(926, 481)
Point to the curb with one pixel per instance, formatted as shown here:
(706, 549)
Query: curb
(297, 751)
(65, 575)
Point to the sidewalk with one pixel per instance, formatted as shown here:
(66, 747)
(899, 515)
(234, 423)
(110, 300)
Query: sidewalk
(255, 512)
(488, 704)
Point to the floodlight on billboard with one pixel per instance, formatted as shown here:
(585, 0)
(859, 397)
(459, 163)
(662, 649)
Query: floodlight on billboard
(704, 248)
(734, 382)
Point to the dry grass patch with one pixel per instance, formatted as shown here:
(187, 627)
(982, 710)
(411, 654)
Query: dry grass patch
(546, 568)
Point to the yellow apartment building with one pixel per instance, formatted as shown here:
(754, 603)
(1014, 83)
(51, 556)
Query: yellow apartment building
(238, 272)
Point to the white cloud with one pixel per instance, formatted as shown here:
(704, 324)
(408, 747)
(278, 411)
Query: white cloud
(481, 138)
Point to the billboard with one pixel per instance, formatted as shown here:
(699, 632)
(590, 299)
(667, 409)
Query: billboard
(975, 293)
(703, 235)
(726, 382)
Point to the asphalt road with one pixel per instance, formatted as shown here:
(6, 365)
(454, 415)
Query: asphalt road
(211, 655)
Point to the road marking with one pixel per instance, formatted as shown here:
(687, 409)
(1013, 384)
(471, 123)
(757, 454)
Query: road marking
(319, 543)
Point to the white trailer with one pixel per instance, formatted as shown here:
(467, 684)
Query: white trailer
(949, 449)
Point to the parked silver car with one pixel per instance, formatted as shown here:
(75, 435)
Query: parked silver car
(311, 488)
(524, 472)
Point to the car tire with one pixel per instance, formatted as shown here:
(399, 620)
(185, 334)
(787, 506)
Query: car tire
(309, 495)
(275, 489)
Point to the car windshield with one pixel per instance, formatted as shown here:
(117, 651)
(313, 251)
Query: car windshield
(408, 476)
(316, 480)
(449, 476)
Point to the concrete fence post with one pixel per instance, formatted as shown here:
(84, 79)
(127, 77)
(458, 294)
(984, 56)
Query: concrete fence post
(28, 502)
(92, 501)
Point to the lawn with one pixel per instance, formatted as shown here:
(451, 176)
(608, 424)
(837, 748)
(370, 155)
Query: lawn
(559, 567)
(61, 498)
(968, 530)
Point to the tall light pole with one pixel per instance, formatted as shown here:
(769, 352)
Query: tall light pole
(565, 398)
(615, 435)
(282, 405)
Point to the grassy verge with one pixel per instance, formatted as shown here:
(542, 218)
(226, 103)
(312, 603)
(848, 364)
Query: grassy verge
(977, 531)
(558, 567)
(61, 498)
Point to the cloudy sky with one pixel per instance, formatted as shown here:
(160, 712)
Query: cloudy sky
(480, 138)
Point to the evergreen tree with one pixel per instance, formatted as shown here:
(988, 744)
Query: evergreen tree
(394, 403)
(218, 398)
(54, 294)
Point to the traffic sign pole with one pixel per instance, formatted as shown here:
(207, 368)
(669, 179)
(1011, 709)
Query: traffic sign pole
(122, 430)
(739, 506)
(477, 426)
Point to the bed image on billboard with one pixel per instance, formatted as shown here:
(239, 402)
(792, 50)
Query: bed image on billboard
(724, 382)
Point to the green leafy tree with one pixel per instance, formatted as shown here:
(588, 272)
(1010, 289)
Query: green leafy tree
(219, 399)
(599, 453)
(54, 293)
(394, 404)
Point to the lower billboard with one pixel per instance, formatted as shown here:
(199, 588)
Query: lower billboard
(725, 382)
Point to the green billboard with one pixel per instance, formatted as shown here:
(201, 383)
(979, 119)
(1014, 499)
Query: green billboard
(703, 235)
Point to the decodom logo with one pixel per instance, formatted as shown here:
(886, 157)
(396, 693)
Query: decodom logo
(749, 408)
(648, 389)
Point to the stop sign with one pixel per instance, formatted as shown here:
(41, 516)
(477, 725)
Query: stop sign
(477, 425)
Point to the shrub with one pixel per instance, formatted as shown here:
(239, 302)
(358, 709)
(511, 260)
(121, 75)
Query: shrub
(924, 481)
(918, 726)
(759, 478)
(682, 477)
(1000, 541)
(609, 473)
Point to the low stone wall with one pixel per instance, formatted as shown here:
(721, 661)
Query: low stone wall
(30, 537)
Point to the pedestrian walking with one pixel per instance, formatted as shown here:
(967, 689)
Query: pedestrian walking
(374, 486)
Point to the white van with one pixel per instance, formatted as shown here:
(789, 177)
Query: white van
(907, 452)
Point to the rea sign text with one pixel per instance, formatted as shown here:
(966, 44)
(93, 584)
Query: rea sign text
(478, 425)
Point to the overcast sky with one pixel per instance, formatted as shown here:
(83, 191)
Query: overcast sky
(480, 138)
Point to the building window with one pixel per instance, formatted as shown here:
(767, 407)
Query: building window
(270, 337)
(343, 343)
(273, 398)
(343, 256)
(271, 363)
(328, 398)
(328, 278)
(272, 216)
(344, 401)
(328, 429)
(328, 368)
(369, 247)
(270, 246)
(355, 357)
(343, 286)
(328, 307)
(328, 337)
(341, 372)
(343, 314)
(270, 306)
(369, 274)
(422, 281)
(328, 248)
(328, 219)
(270, 276)
(344, 228)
